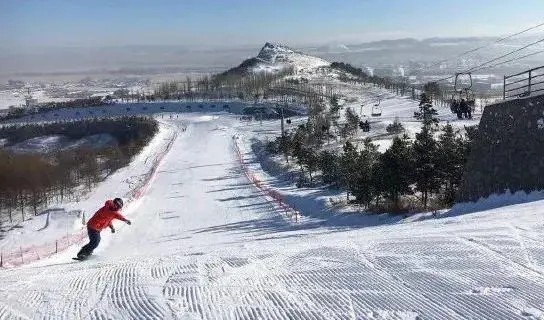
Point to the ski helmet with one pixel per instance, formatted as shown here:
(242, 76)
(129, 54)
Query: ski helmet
(118, 202)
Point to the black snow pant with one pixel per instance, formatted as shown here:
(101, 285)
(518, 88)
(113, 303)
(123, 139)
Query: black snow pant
(94, 240)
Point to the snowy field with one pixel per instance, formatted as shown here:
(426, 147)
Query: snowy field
(206, 244)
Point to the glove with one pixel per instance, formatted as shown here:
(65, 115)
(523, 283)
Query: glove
(128, 222)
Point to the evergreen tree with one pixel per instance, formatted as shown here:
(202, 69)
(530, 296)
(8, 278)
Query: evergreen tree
(394, 173)
(351, 125)
(310, 160)
(395, 128)
(451, 161)
(427, 113)
(298, 144)
(348, 167)
(335, 107)
(426, 175)
(285, 145)
(364, 189)
(329, 164)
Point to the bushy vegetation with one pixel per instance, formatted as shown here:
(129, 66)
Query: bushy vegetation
(235, 83)
(395, 128)
(346, 67)
(354, 74)
(125, 130)
(48, 106)
(412, 174)
(31, 181)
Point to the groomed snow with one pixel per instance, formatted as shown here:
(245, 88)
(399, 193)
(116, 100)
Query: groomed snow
(205, 244)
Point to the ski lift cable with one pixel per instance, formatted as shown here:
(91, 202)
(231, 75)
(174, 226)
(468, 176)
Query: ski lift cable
(484, 46)
(507, 54)
(482, 65)
(510, 60)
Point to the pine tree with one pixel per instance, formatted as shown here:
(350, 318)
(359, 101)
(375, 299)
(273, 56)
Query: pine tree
(427, 113)
(394, 174)
(311, 161)
(395, 128)
(451, 161)
(335, 107)
(351, 125)
(298, 144)
(426, 175)
(329, 164)
(348, 167)
(364, 189)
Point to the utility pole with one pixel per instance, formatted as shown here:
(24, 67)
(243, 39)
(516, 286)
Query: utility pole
(282, 124)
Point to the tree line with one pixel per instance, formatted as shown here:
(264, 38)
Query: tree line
(29, 181)
(411, 174)
(48, 106)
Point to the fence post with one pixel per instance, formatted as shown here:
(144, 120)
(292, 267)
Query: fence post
(529, 89)
(56, 246)
(21, 250)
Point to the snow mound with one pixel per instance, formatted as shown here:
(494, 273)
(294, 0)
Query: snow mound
(496, 201)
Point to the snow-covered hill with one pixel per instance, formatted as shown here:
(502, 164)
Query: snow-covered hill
(275, 57)
(280, 55)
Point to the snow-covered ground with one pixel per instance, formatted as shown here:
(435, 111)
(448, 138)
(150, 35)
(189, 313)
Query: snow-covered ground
(205, 244)
(66, 218)
(16, 98)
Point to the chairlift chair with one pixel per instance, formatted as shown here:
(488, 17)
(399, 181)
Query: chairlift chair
(377, 109)
(463, 92)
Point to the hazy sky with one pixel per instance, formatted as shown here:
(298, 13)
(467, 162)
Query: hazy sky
(250, 22)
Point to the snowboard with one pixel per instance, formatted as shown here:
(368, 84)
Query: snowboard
(80, 259)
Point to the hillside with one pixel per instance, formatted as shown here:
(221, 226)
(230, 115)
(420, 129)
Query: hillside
(276, 57)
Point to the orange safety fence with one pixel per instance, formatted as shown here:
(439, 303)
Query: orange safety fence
(276, 196)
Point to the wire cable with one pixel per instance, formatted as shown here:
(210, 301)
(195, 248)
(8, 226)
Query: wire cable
(483, 65)
(511, 60)
(485, 46)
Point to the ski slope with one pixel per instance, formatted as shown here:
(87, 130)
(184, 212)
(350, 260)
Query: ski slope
(206, 244)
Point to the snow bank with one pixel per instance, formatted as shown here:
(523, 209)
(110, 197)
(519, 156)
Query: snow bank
(496, 201)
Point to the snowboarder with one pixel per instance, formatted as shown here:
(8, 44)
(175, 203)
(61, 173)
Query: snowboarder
(100, 220)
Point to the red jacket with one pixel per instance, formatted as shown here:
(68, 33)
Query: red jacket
(103, 217)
